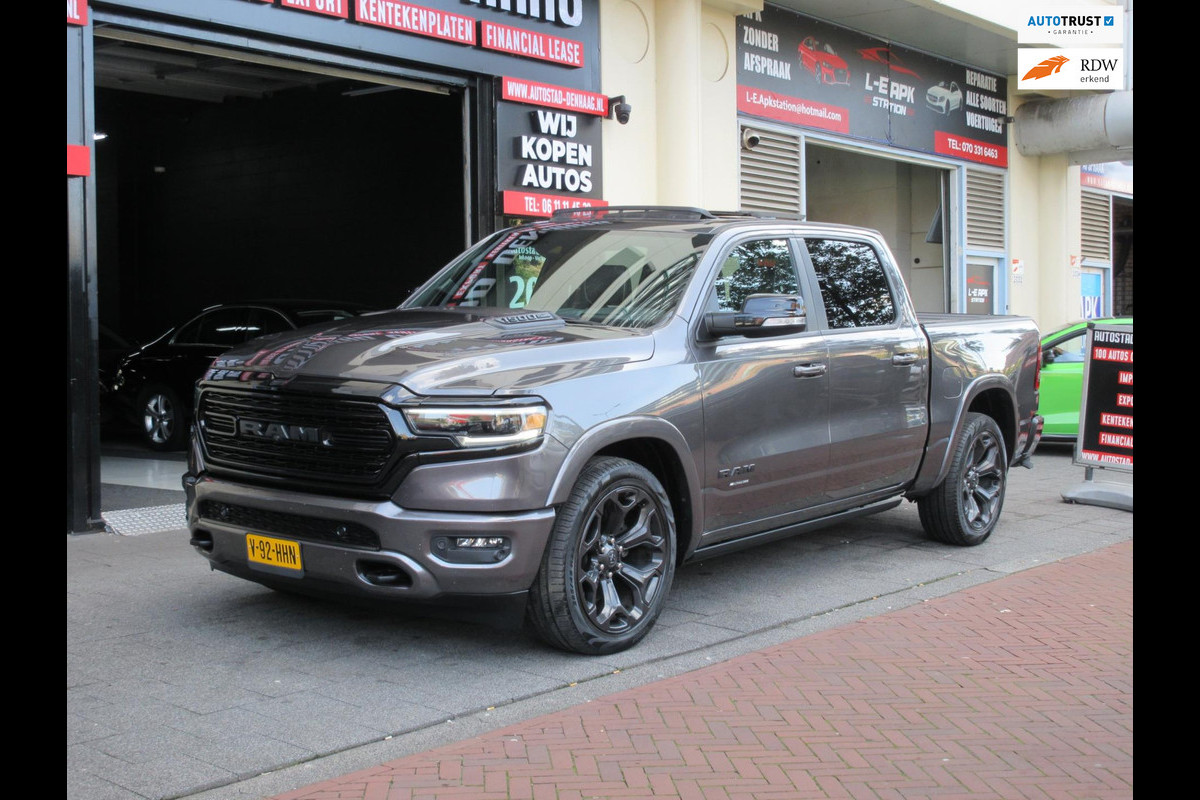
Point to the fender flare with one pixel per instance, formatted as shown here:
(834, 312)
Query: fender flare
(615, 432)
(941, 451)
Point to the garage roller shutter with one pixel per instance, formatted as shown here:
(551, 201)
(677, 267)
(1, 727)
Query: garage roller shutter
(770, 175)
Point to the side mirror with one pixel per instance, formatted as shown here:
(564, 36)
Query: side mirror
(761, 315)
(1048, 356)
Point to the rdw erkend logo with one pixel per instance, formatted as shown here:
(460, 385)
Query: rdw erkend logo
(1048, 67)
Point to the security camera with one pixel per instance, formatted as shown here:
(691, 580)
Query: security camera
(620, 109)
(750, 139)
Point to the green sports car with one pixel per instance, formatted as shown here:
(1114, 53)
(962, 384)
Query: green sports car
(1062, 377)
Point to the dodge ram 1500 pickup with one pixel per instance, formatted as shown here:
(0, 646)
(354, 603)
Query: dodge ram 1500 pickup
(574, 407)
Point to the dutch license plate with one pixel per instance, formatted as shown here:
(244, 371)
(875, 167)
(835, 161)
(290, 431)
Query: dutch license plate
(269, 552)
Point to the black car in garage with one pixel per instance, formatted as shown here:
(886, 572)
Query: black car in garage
(152, 385)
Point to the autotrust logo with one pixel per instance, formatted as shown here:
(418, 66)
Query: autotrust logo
(1048, 67)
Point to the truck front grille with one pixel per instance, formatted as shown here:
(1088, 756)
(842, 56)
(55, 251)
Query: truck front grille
(329, 440)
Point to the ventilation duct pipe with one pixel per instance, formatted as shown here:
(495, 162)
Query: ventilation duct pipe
(1091, 130)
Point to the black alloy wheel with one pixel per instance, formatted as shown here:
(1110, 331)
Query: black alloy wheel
(610, 561)
(965, 507)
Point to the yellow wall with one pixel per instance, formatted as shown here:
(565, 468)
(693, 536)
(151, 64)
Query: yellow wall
(674, 61)
(1044, 233)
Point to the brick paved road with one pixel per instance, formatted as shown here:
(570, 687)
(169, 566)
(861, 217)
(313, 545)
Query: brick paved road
(1017, 688)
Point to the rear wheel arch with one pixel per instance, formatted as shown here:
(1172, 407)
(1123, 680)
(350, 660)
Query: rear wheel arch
(998, 404)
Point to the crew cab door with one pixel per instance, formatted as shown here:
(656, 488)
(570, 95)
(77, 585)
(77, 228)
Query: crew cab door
(878, 367)
(765, 400)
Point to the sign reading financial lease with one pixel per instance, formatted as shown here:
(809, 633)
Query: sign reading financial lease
(803, 71)
(1106, 413)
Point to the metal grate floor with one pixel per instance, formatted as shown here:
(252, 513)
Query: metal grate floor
(136, 521)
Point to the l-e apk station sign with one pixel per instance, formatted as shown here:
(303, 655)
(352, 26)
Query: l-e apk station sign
(803, 71)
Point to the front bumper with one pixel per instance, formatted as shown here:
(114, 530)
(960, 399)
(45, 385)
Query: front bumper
(366, 548)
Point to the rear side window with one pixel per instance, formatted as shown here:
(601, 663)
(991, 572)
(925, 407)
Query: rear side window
(853, 283)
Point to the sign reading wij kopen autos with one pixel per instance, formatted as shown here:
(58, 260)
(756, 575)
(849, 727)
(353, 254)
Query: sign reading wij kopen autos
(801, 71)
(1106, 414)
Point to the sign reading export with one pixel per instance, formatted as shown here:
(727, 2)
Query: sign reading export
(802, 71)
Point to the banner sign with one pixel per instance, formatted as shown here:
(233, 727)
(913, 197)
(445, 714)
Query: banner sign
(1042, 69)
(806, 72)
(542, 94)
(558, 40)
(77, 12)
(330, 8)
(1069, 24)
(547, 159)
(79, 160)
(1112, 176)
(1106, 412)
(979, 289)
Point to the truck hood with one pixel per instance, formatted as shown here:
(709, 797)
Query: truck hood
(439, 351)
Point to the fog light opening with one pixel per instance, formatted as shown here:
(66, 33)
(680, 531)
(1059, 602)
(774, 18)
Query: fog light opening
(472, 549)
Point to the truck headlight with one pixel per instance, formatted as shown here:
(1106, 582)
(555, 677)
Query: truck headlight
(480, 426)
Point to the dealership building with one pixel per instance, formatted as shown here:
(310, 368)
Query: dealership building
(228, 150)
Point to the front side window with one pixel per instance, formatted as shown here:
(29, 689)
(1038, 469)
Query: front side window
(853, 283)
(610, 275)
(1069, 350)
(759, 267)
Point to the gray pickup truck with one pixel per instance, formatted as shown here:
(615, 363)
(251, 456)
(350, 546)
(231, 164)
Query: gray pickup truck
(573, 408)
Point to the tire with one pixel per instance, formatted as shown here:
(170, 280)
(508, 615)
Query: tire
(964, 508)
(609, 564)
(160, 418)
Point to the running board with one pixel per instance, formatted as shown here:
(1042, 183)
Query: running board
(756, 539)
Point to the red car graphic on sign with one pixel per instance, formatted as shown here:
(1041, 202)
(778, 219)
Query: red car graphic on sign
(885, 56)
(823, 62)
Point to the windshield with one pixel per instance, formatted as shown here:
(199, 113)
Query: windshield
(609, 275)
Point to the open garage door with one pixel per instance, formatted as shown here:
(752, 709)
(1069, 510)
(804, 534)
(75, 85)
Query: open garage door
(226, 177)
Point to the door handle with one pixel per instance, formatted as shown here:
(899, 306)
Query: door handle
(808, 370)
(904, 359)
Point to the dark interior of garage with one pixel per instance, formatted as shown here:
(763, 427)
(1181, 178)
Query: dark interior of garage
(312, 187)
